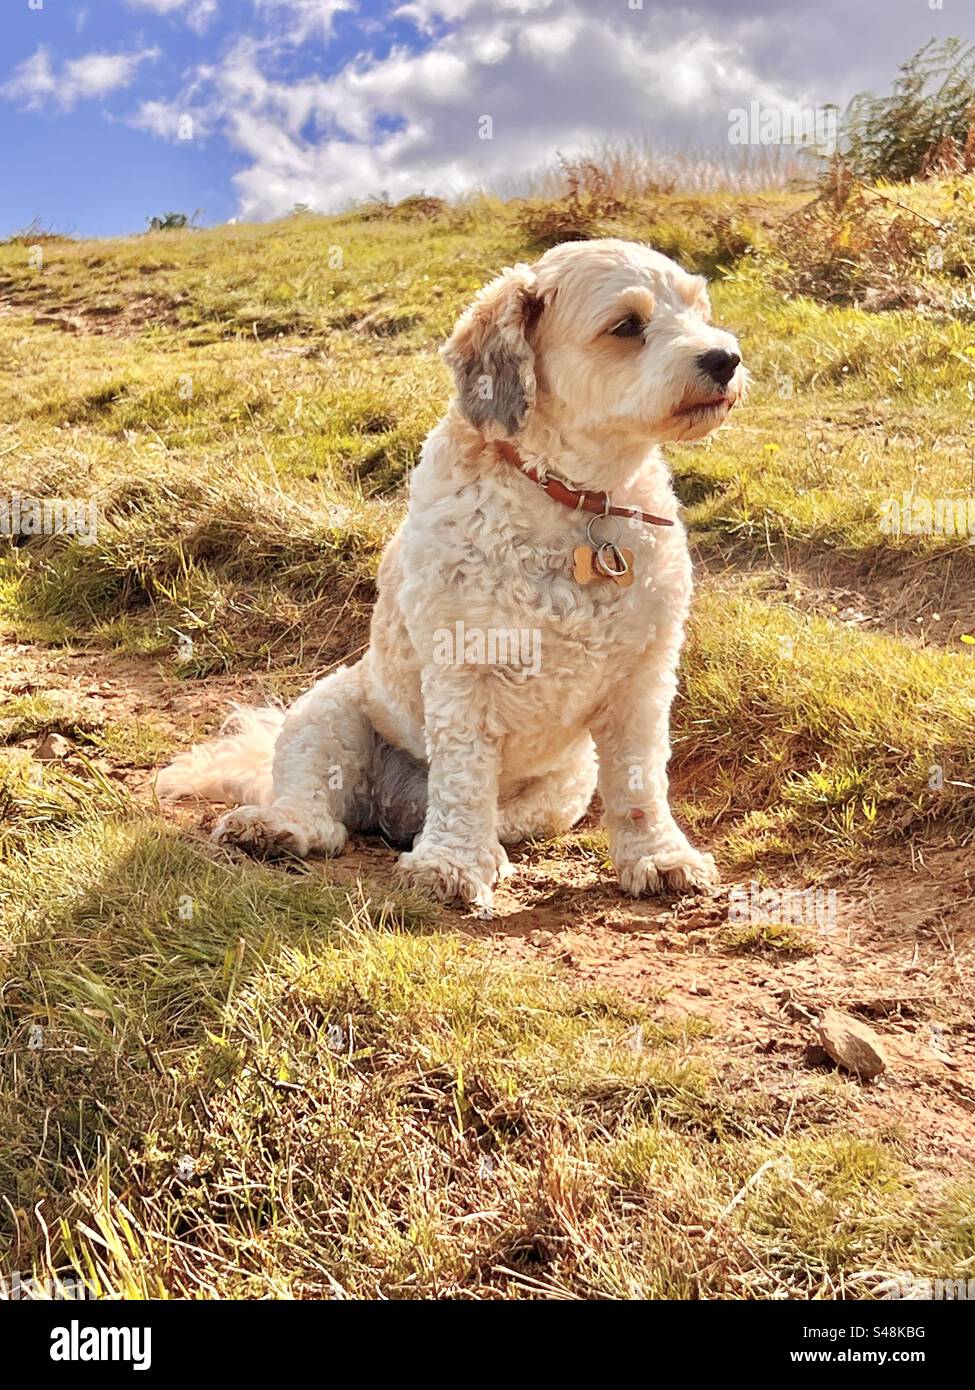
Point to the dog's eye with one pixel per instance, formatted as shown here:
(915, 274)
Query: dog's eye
(631, 327)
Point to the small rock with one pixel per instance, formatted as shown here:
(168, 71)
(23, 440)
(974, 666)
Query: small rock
(540, 938)
(52, 747)
(794, 1010)
(940, 1056)
(814, 1055)
(937, 1048)
(851, 1044)
(698, 988)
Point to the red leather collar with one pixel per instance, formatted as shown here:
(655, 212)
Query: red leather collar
(597, 502)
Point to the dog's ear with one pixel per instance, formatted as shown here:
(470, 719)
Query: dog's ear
(702, 300)
(491, 357)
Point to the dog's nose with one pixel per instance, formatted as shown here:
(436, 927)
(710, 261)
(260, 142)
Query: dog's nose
(719, 365)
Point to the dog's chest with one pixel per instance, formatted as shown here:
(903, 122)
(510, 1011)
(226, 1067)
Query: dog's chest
(580, 607)
(525, 582)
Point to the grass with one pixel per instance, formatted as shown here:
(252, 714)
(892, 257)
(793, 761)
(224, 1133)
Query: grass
(228, 1080)
(810, 736)
(251, 1083)
(760, 938)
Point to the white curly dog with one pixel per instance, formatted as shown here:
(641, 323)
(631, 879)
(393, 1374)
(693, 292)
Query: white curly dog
(531, 608)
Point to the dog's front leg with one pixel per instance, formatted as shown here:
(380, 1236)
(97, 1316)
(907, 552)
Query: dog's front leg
(649, 850)
(457, 854)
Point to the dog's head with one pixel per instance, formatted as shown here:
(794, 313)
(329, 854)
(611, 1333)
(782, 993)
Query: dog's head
(599, 340)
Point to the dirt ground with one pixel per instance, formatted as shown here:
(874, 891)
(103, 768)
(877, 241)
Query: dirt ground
(901, 957)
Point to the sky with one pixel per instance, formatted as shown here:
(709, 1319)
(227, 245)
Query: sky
(112, 111)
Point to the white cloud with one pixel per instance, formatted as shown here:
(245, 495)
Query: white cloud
(491, 48)
(160, 118)
(198, 13)
(36, 83)
(426, 14)
(33, 80)
(168, 120)
(548, 39)
(551, 79)
(305, 18)
(98, 73)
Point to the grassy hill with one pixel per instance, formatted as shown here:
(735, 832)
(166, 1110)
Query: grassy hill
(227, 1079)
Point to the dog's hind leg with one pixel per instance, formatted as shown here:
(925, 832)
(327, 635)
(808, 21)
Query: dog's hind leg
(321, 776)
(399, 784)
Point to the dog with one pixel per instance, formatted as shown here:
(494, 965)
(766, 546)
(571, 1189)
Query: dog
(531, 608)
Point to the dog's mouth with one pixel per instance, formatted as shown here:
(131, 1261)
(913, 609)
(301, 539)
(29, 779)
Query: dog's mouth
(710, 404)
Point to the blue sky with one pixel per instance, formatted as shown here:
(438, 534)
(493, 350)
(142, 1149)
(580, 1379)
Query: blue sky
(114, 110)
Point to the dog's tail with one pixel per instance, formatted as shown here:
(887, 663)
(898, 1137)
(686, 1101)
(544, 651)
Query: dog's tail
(234, 768)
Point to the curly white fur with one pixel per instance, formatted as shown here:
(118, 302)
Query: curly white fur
(486, 749)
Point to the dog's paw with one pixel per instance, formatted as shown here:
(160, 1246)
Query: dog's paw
(449, 873)
(681, 869)
(270, 832)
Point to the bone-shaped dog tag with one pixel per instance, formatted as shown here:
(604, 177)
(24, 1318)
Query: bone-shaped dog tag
(586, 566)
(582, 558)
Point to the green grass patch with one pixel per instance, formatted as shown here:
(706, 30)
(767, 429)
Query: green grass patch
(803, 736)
